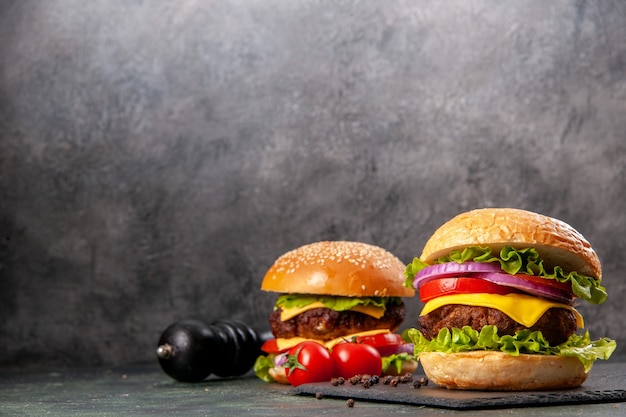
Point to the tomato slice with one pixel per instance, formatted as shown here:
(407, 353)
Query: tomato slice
(563, 286)
(271, 346)
(449, 286)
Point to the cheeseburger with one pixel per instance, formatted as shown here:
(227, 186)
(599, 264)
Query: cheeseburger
(333, 292)
(500, 288)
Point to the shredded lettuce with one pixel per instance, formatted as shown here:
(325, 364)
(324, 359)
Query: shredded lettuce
(518, 261)
(337, 303)
(524, 341)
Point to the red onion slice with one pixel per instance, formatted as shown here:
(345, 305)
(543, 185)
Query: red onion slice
(280, 359)
(490, 272)
(452, 270)
(388, 350)
(530, 287)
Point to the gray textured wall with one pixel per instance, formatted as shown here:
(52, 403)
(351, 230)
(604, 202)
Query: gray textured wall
(156, 157)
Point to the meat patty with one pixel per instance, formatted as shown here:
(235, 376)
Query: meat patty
(556, 324)
(326, 324)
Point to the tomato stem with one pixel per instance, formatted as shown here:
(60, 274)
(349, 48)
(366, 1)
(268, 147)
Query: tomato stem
(292, 361)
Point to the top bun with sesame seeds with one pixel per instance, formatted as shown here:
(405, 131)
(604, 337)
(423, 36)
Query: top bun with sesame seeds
(336, 292)
(350, 269)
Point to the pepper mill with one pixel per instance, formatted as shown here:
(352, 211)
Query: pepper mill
(190, 351)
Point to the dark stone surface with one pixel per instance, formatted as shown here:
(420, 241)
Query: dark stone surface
(156, 157)
(147, 391)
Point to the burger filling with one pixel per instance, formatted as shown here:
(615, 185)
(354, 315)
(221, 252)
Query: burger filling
(556, 324)
(510, 267)
(325, 324)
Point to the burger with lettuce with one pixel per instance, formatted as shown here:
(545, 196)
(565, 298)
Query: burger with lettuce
(500, 288)
(334, 292)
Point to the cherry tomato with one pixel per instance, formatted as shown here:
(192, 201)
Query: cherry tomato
(386, 343)
(308, 362)
(450, 286)
(352, 359)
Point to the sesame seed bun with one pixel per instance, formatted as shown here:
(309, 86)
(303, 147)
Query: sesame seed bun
(499, 371)
(557, 243)
(340, 268)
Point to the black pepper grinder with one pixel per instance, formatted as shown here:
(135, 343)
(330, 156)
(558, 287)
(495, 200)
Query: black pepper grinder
(190, 351)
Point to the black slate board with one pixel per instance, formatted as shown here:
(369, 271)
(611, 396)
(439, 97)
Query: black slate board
(605, 384)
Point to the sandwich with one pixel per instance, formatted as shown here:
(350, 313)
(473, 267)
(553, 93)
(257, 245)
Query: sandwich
(332, 292)
(500, 288)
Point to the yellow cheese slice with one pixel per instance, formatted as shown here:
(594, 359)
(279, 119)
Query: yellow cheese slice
(283, 344)
(524, 309)
(331, 343)
(289, 313)
(373, 311)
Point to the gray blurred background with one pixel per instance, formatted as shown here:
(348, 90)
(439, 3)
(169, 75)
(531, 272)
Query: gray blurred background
(156, 157)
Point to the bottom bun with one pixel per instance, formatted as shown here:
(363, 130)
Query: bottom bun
(279, 374)
(498, 371)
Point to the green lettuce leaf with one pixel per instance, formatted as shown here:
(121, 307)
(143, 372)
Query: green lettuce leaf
(524, 341)
(337, 303)
(514, 261)
(262, 365)
(411, 270)
(396, 361)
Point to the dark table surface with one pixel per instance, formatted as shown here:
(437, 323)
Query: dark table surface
(148, 391)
